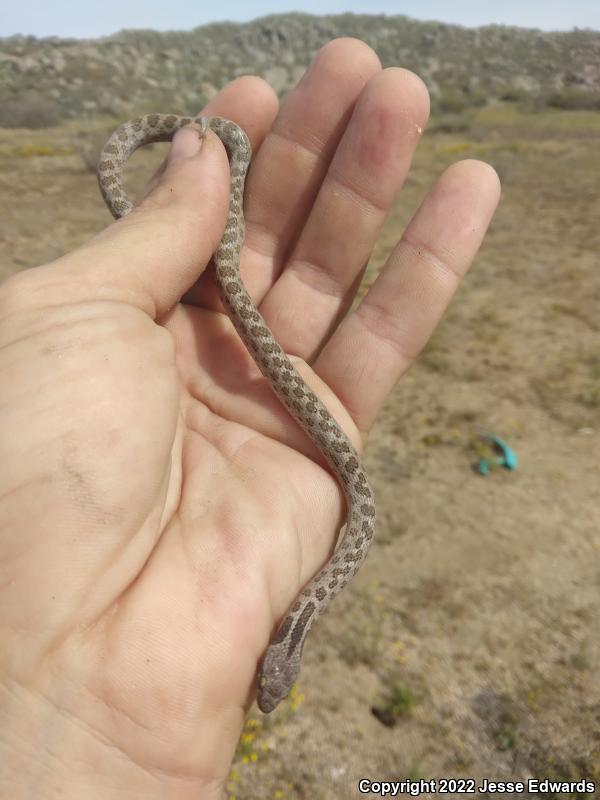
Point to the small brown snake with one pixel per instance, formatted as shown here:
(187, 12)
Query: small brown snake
(281, 662)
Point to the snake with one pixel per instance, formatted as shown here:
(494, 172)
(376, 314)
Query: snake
(279, 667)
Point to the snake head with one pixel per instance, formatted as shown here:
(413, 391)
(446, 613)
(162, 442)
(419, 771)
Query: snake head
(276, 677)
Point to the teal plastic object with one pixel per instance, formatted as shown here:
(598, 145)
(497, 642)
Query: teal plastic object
(507, 459)
(483, 468)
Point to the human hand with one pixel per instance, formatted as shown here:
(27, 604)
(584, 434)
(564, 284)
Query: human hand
(150, 535)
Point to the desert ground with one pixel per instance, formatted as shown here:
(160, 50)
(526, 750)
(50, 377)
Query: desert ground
(468, 645)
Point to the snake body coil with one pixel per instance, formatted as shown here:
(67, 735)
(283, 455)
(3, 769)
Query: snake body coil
(281, 663)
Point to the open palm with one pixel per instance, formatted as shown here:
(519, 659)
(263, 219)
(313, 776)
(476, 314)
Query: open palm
(161, 509)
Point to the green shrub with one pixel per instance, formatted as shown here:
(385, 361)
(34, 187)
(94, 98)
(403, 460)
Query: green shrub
(29, 111)
(574, 99)
(513, 94)
(451, 101)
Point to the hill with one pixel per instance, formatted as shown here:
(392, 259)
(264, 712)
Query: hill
(46, 81)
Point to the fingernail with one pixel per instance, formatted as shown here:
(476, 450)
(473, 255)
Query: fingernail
(186, 143)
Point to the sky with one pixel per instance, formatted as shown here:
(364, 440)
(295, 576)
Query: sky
(67, 18)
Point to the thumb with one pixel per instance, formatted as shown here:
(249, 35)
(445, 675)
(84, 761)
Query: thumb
(151, 257)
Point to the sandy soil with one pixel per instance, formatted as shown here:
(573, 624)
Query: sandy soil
(468, 645)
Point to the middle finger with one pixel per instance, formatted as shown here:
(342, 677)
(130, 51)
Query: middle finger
(355, 194)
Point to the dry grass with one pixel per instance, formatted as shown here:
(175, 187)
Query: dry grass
(473, 618)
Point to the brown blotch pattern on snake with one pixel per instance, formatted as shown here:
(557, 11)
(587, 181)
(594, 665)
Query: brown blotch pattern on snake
(281, 663)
